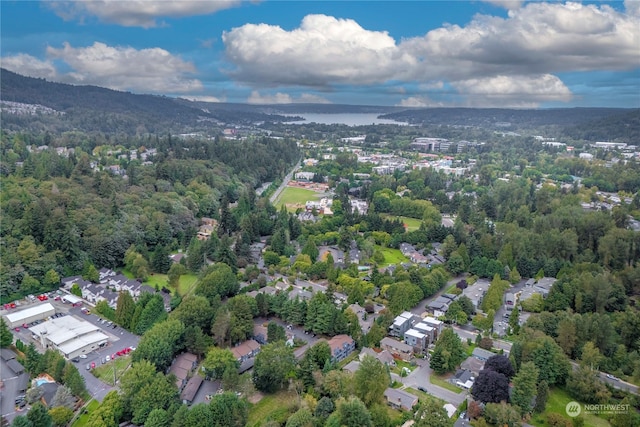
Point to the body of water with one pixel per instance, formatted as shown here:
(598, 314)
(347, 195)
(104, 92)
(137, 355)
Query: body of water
(349, 119)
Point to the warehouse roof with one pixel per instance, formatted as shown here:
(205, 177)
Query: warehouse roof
(83, 341)
(19, 316)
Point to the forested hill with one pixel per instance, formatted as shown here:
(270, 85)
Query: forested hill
(593, 124)
(92, 108)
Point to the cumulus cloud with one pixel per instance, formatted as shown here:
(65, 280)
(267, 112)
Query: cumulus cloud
(123, 68)
(534, 42)
(137, 13)
(514, 91)
(507, 4)
(284, 98)
(322, 51)
(29, 66)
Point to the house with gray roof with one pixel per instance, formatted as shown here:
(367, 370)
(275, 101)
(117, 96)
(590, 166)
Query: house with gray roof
(400, 399)
(482, 354)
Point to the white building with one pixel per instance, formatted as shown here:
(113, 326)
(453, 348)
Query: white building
(29, 315)
(70, 336)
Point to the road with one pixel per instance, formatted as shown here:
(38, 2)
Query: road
(282, 186)
(420, 378)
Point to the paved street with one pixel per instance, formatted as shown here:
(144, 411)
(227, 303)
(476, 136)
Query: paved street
(419, 378)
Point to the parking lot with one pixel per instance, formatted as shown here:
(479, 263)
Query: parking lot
(119, 339)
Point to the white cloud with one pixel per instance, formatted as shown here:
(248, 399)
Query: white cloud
(152, 70)
(514, 91)
(537, 39)
(28, 65)
(419, 102)
(203, 98)
(324, 50)
(285, 98)
(507, 4)
(137, 13)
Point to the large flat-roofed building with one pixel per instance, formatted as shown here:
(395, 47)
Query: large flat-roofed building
(30, 315)
(70, 336)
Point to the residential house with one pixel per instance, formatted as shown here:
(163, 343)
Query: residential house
(246, 350)
(341, 346)
(463, 379)
(439, 306)
(473, 365)
(384, 356)
(416, 339)
(476, 292)
(182, 366)
(400, 399)
(397, 348)
(191, 389)
(402, 323)
(482, 354)
(429, 332)
(260, 334)
(352, 366)
(7, 354)
(105, 273)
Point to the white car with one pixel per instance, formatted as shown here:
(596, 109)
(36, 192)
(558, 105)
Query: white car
(83, 356)
(108, 358)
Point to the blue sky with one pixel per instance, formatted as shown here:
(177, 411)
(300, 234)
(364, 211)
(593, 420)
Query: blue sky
(483, 53)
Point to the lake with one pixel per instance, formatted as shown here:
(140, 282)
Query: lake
(349, 119)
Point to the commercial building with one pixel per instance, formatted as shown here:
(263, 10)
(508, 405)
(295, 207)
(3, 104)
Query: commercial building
(29, 315)
(70, 336)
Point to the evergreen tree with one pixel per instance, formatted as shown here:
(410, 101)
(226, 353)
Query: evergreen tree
(39, 416)
(125, 309)
(541, 397)
(160, 261)
(6, 337)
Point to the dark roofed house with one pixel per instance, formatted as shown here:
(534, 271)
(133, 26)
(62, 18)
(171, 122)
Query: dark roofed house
(7, 354)
(23, 382)
(397, 348)
(400, 399)
(190, 390)
(182, 367)
(15, 366)
(482, 354)
(49, 392)
(260, 333)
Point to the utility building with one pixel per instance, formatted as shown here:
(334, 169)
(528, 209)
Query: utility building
(30, 315)
(70, 336)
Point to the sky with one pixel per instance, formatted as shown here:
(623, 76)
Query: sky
(418, 53)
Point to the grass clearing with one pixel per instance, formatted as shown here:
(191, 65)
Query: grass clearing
(83, 419)
(556, 404)
(105, 372)
(276, 407)
(411, 224)
(295, 196)
(187, 283)
(391, 256)
(442, 382)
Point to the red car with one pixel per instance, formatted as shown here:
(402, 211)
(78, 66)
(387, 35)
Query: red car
(17, 329)
(93, 365)
(13, 305)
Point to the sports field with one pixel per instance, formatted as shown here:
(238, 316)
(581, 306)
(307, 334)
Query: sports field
(293, 197)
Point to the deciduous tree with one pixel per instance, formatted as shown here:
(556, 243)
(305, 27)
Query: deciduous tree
(370, 380)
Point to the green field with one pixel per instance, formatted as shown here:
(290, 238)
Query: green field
(105, 372)
(411, 224)
(83, 419)
(391, 256)
(293, 195)
(275, 407)
(556, 404)
(187, 281)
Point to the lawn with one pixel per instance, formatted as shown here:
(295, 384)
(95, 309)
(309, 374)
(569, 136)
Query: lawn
(295, 196)
(275, 407)
(83, 419)
(411, 224)
(442, 382)
(556, 404)
(155, 280)
(391, 256)
(105, 372)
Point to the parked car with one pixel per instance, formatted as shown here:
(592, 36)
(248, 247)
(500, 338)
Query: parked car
(83, 356)
(75, 359)
(108, 358)
(88, 367)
